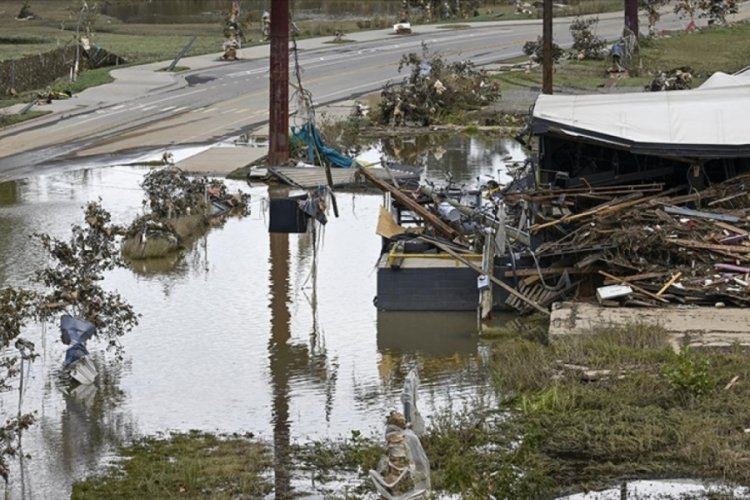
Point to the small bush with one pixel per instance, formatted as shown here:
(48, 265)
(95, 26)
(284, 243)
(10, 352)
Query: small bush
(535, 50)
(688, 375)
(585, 43)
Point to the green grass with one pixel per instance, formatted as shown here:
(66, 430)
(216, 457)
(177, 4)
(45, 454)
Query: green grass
(720, 49)
(658, 413)
(193, 465)
(6, 120)
(87, 79)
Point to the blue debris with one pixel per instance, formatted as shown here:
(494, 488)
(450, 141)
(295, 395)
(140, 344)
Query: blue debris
(308, 134)
(75, 332)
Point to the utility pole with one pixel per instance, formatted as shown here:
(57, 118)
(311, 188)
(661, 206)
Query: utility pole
(278, 119)
(547, 47)
(631, 16)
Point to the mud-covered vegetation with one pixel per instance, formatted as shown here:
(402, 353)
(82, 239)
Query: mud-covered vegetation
(434, 89)
(192, 465)
(178, 207)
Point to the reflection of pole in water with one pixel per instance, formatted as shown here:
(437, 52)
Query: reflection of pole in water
(280, 354)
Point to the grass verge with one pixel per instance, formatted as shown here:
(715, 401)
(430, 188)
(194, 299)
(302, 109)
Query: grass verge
(6, 120)
(705, 52)
(193, 465)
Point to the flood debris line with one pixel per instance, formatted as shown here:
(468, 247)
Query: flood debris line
(180, 208)
(650, 211)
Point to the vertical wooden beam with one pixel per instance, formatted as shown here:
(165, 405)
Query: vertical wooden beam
(488, 268)
(278, 118)
(631, 16)
(547, 47)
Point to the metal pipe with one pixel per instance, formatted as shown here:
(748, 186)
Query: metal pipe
(278, 116)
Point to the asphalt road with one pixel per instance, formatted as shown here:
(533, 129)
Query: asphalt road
(216, 100)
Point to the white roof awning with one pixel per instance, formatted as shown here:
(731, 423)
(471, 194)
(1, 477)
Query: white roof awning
(712, 122)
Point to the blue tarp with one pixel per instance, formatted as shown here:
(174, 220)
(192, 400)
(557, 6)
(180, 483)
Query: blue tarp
(308, 134)
(75, 332)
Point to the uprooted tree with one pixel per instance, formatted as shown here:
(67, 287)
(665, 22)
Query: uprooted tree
(433, 89)
(16, 308)
(77, 269)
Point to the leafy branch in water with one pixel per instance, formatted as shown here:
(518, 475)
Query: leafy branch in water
(16, 308)
(77, 269)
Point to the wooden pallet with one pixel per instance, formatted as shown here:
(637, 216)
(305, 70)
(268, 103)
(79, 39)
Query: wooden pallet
(537, 293)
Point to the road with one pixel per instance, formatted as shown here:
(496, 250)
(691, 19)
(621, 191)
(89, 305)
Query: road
(216, 100)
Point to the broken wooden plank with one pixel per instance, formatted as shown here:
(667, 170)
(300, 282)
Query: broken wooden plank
(411, 204)
(637, 277)
(669, 283)
(547, 271)
(630, 198)
(687, 212)
(730, 227)
(708, 246)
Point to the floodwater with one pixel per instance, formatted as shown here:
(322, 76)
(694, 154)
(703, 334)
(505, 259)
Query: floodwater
(246, 332)
(199, 11)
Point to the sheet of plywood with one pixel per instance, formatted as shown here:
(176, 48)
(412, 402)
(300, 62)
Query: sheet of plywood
(693, 325)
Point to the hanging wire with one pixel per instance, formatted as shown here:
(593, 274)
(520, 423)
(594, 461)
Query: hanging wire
(302, 96)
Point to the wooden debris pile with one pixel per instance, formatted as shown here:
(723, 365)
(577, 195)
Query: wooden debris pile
(664, 247)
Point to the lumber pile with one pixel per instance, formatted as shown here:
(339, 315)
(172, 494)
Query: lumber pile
(666, 247)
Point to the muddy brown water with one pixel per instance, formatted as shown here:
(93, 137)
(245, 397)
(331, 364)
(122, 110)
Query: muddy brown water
(237, 335)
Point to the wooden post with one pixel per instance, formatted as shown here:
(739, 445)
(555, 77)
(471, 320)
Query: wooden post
(488, 267)
(278, 119)
(631, 16)
(547, 47)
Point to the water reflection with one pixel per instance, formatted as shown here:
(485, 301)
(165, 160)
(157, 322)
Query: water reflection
(465, 160)
(248, 332)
